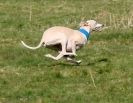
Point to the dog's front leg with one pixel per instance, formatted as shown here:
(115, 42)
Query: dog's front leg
(64, 48)
(74, 48)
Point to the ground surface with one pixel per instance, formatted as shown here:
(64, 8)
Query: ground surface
(104, 76)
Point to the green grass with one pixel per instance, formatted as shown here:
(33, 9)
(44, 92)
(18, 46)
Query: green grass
(104, 76)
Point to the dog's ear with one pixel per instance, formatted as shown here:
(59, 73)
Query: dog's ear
(82, 23)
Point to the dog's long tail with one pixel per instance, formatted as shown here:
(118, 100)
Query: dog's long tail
(40, 44)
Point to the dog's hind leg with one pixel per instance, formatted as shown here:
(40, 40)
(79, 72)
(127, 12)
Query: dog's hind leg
(55, 58)
(63, 52)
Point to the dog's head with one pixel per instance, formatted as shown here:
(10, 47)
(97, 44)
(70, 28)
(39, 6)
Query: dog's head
(92, 25)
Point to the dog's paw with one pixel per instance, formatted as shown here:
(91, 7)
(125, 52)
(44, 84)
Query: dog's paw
(48, 55)
(73, 61)
(73, 54)
(79, 61)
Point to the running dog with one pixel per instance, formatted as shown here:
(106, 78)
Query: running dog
(69, 39)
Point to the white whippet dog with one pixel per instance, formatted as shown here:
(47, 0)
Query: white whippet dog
(69, 39)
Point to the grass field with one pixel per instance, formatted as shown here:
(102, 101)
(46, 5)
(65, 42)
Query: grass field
(104, 76)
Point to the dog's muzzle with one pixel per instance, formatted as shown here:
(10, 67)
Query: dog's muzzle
(98, 27)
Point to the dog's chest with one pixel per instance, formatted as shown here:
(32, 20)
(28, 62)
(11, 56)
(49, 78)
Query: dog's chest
(79, 42)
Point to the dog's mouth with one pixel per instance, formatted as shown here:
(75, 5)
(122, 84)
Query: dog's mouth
(98, 27)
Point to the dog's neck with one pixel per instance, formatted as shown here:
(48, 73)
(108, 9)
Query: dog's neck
(85, 32)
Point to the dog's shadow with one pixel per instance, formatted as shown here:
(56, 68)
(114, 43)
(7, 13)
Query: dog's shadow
(101, 60)
(70, 64)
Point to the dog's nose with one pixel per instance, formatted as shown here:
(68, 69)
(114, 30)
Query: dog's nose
(102, 25)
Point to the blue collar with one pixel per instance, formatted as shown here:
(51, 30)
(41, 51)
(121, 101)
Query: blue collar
(85, 33)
